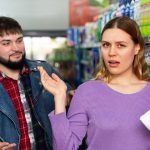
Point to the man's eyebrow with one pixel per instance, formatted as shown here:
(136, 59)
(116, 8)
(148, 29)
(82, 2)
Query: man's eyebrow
(5, 40)
(21, 37)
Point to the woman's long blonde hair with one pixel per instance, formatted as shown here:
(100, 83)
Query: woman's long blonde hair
(139, 64)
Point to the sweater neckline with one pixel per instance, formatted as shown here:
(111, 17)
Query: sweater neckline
(141, 91)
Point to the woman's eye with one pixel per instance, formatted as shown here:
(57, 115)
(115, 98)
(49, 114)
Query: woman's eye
(121, 45)
(105, 45)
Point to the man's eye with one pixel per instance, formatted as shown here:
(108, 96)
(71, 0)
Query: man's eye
(6, 43)
(19, 41)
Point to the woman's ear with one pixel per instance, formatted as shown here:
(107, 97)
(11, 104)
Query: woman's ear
(137, 49)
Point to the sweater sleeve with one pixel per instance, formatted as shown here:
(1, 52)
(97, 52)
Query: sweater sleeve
(69, 130)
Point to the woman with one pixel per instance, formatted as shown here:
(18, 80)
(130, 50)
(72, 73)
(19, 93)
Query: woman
(106, 110)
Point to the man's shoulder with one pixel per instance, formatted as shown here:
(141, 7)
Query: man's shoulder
(35, 63)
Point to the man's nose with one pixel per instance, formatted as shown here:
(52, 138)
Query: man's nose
(14, 46)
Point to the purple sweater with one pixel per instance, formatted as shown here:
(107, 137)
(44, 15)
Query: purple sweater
(109, 119)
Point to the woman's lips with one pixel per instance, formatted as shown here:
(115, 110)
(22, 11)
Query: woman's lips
(113, 63)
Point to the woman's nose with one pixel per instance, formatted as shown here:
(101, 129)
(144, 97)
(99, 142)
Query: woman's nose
(112, 51)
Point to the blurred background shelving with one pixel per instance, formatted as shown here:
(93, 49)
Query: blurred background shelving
(87, 39)
(67, 33)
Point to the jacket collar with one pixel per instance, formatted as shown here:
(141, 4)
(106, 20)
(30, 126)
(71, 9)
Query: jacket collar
(35, 79)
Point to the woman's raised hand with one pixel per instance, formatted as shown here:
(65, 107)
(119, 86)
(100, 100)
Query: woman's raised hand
(57, 87)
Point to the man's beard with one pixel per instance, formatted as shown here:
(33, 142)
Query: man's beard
(13, 65)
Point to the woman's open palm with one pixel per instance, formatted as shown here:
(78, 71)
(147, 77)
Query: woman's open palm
(52, 84)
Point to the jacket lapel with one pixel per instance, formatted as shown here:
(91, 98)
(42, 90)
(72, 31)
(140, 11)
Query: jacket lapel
(7, 107)
(35, 80)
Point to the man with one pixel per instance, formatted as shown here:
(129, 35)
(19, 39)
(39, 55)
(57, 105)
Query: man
(24, 104)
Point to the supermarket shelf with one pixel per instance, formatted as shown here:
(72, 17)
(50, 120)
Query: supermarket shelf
(89, 45)
(84, 62)
(51, 33)
(147, 40)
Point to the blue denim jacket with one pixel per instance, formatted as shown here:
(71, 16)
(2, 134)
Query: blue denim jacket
(43, 104)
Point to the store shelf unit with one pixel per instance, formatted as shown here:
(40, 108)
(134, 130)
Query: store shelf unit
(86, 38)
(147, 39)
(87, 50)
(147, 52)
(64, 61)
(89, 60)
(145, 28)
(145, 17)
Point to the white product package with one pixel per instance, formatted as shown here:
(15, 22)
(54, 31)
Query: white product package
(145, 119)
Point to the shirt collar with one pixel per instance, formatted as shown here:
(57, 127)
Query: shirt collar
(25, 70)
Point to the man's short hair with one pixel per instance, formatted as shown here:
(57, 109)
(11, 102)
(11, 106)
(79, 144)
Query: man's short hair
(9, 26)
